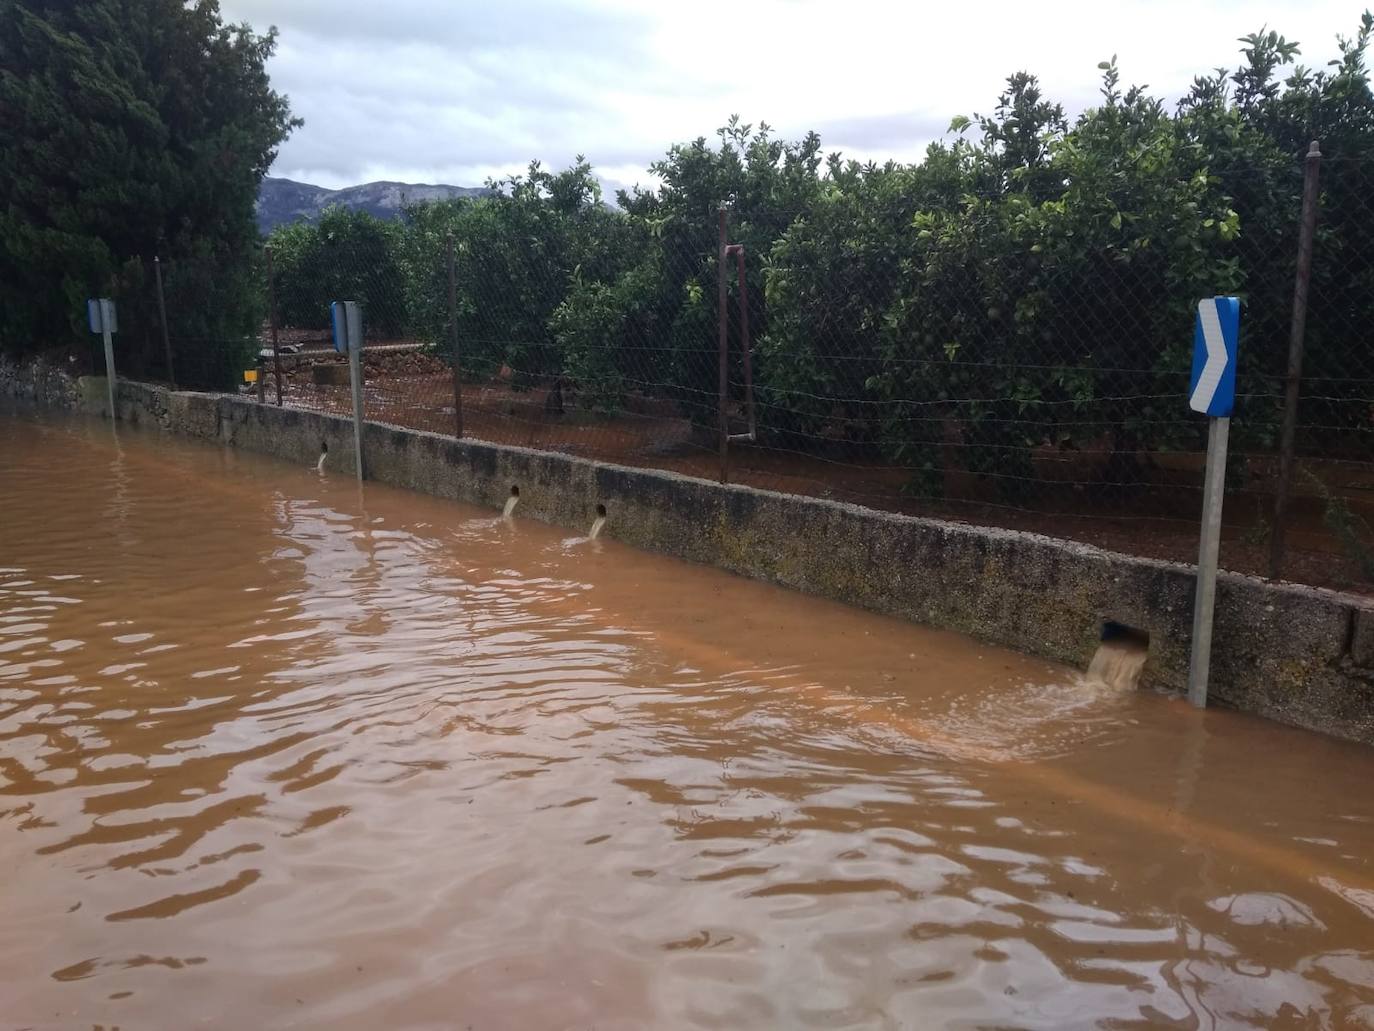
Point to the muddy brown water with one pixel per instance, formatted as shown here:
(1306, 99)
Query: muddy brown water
(279, 752)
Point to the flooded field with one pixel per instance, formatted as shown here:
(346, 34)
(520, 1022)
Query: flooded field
(279, 752)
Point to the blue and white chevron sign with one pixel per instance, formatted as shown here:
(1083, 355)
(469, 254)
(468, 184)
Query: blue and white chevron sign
(1213, 387)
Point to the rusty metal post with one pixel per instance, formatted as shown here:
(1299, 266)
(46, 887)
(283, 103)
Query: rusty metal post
(753, 433)
(1296, 333)
(162, 318)
(272, 316)
(722, 302)
(453, 334)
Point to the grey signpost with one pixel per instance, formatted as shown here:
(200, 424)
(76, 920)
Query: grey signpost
(100, 316)
(346, 318)
(1213, 393)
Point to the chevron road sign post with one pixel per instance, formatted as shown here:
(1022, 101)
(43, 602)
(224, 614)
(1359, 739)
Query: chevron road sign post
(346, 320)
(1213, 393)
(101, 317)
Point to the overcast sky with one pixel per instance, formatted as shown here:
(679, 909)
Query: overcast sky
(438, 91)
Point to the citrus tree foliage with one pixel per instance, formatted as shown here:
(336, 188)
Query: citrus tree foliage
(1046, 273)
(130, 128)
(514, 253)
(1029, 284)
(346, 255)
(518, 254)
(766, 184)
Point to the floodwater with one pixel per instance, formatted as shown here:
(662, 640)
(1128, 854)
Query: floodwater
(279, 752)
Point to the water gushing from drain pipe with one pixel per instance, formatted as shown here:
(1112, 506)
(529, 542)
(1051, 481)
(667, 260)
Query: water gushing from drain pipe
(597, 523)
(324, 453)
(511, 502)
(1120, 658)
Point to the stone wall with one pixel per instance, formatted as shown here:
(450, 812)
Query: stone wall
(1301, 655)
(37, 381)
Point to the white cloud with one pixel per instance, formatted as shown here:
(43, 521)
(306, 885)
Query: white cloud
(421, 90)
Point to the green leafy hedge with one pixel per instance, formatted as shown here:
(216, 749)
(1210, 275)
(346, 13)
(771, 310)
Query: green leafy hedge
(1030, 283)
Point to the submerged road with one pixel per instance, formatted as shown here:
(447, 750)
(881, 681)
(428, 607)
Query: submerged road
(276, 751)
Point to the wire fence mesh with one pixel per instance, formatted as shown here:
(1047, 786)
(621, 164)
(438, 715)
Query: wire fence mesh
(1023, 365)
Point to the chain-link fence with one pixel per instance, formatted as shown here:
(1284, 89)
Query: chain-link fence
(173, 324)
(1013, 363)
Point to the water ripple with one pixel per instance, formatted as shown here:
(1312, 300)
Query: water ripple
(276, 752)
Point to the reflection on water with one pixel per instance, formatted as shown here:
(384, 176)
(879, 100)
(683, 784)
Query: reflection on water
(275, 752)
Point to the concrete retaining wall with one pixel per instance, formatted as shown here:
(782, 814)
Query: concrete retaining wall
(1301, 655)
(37, 381)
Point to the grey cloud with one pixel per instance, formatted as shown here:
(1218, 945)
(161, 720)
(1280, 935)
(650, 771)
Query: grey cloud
(890, 133)
(417, 84)
(428, 89)
(530, 24)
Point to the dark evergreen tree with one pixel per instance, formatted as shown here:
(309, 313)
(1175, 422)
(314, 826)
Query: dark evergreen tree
(130, 128)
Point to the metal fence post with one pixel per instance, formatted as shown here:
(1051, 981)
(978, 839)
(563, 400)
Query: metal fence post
(736, 250)
(272, 316)
(722, 302)
(453, 330)
(162, 318)
(1296, 333)
(746, 347)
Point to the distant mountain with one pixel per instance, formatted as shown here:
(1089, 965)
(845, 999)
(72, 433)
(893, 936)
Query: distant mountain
(284, 200)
